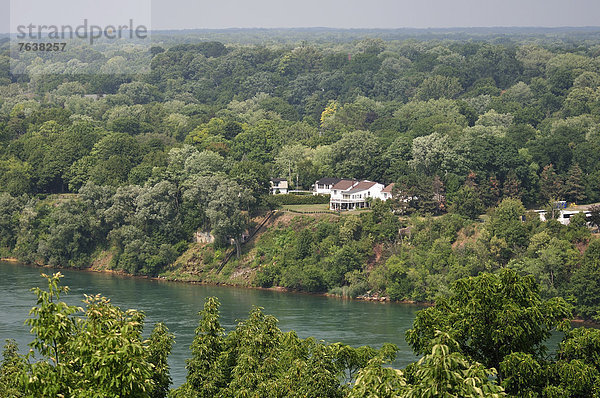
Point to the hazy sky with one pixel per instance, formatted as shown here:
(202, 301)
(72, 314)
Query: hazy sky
(187, 14)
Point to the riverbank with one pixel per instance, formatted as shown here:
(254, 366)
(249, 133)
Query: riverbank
(279, 289)
(578, 322)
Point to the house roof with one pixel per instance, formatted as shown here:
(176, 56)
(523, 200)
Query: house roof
(343, 185)
(362, 186)
(328, 181)
(389, 188)
(278, 179)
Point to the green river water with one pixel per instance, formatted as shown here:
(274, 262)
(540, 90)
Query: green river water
(177, 305)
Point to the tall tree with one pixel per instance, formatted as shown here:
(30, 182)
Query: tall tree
(205, 376)
(467, 203)
(355, 155)
(511, 186)
(506, 223)
(437, 186)
(550, 184)
(490, 191)
(574, 188)
(288, 160)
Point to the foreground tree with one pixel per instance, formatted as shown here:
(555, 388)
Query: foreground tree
(257, 359)
(98, 352)
(492, 316)
(204, 376)
(574, 373)
(11, 371)
(444, 372)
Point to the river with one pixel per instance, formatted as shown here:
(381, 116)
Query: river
(177, 305)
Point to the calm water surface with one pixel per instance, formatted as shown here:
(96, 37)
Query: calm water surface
(177, 305)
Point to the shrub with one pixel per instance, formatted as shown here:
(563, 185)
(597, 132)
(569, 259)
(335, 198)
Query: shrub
(289, 199)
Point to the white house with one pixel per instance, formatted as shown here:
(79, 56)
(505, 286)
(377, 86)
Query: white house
(564, 217)
(279, 186)
(352, 194)
(324, 185)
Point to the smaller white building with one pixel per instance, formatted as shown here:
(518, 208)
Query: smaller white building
(387, 193)
(279, 186)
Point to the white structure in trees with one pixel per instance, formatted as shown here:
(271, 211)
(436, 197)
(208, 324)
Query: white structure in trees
(564, 216)
(279, 186)
(352, 194)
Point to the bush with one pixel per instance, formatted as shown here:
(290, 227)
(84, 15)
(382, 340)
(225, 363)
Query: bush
(289, 199)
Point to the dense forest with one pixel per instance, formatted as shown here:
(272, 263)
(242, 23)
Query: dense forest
(126, 168)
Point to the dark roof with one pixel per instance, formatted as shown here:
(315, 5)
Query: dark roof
(342, 185)
(278, 179)
(362, 186)
(389, 188)
(328, 181)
